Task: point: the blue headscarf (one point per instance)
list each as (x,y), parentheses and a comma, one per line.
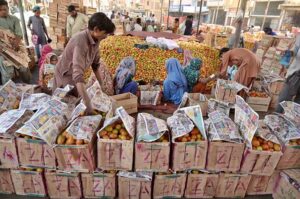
(175,84)
(124,73)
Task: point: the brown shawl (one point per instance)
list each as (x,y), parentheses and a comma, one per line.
(249,68)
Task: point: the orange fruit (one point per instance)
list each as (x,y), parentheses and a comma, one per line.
(61,139)
(194,137)
(122,137)
(105,137)
(265,147)
(128,137)
(65,133)
(255,143)
(271,145)
(261,141)
(298,141)
(259,148)
(70,141)
(103,133)
(113,136)
(184,139)
(79,142)
(123,132)
(195,131)
(277,147)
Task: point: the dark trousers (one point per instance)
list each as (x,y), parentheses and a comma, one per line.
(290,90)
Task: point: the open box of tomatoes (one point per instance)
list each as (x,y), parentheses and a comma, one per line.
(189,140)
(264,154)
(115,142)
(259,100)
(152,147)
(74,147)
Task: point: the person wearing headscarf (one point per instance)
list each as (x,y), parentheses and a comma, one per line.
(192,73)
(187,57)
(247,63)
(45,50)
(50,61)
(291,88)
(123,78)
(175,85)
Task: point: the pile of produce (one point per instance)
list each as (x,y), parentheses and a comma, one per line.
(260,144)
(115,131)
(258,94)
(193,136)
(115,48)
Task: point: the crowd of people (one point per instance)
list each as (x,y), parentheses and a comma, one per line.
(82,51)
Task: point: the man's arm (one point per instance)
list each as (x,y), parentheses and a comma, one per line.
(79,57)
(95,67)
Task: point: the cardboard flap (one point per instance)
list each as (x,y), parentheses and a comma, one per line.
(150,128)
(223,128)
(12,120)
(283,128)
(34,101)
(247,120)
(292,112)
(62,92)
(84,127)
(99,100)
(10,96)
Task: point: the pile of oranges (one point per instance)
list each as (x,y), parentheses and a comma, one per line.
(115,131)
(193,136)
(67,139)
(258,94)
(263,145)
(295,142)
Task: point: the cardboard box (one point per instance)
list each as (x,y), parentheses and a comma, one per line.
(99,185)
(77,157)
(224,156)
(134,187)
(63,185)
(35,153)
(202,185)
(152,156)
(115,154)
(290,158)
(226,94)
(187,155)
(232,185)
(259,104)
(261,185)
(169,185)
(128,101)
(29,183)
(8,154)
(260,162)
(193,99)
(6,184)
(288,185)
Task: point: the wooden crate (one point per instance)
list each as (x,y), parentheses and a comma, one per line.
(260,162)
(202,185)
(290,158)
(29,183)
(8,154)
(35,153)
(128,101)
(6,184)
(188,155)
(286,186)
(224,156)
(225,94)
(154,156)
(134,188)
(259,104)
(232,185)
(63,185)
(79,158)
(169,185)
(95,185)
(115,154)
(262,185)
